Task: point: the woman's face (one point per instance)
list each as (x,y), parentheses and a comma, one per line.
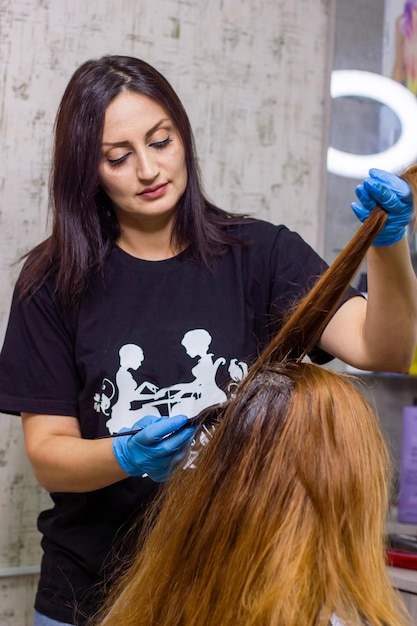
(142,167)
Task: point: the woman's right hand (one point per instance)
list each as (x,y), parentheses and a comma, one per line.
(63,461)
(156,449)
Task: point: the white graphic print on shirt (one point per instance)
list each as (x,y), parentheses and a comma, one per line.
(134,400)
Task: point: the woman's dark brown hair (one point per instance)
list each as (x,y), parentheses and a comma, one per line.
(84,225)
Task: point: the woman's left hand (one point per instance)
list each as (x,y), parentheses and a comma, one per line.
(393,195)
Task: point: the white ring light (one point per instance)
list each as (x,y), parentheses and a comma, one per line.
(395,96)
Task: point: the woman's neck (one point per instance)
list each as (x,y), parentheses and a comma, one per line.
(148,246)
(149,239)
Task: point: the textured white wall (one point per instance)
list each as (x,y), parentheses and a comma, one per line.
(253,75)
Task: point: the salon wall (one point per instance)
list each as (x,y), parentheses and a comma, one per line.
(364,35)
(354,122)
(254,78)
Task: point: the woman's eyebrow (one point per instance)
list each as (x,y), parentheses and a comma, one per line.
(114,144)
(155,127)
(148,134)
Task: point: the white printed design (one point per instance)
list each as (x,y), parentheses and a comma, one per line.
(134,400)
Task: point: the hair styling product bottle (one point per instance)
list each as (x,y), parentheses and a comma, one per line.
(407,500)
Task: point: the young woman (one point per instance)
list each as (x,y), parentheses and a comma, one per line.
(137,259)
(282,519)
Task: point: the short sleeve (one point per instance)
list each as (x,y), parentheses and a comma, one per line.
(295,268)
(37,368)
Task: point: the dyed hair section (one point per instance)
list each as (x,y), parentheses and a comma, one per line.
(282,520)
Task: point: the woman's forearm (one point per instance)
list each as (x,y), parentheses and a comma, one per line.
(390,330)
(62,461)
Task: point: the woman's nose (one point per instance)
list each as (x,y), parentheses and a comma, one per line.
(146,167)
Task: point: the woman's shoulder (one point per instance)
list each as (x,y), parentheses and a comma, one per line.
(265,236)
(255,230)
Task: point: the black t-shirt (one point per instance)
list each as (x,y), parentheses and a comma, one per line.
(160,338)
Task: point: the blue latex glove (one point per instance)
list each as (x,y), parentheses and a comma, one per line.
(156,449)
(392,194)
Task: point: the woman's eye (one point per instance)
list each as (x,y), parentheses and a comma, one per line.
(161,144)
(119,161)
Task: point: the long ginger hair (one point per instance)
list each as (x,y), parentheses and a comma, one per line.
(281,520)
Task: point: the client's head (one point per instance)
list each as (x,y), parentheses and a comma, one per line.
(281,521)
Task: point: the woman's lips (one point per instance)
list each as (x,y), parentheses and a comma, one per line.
(153,192)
